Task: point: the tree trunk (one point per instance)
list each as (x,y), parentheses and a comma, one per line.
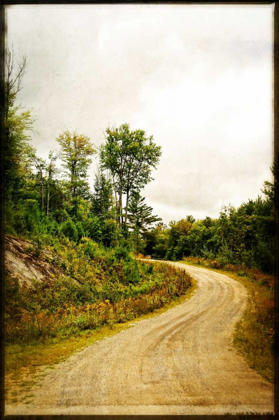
(137,242)
(48,199)
(73,177)
(120,208)
(42,192)
(116,202)
(126,210)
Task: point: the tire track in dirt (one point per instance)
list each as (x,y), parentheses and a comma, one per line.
(180,362)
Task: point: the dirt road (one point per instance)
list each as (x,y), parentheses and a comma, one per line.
(181,362)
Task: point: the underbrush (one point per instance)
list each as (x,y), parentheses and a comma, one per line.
(27,363)
(254,334)
(48,321)
(253,274)
(98,287)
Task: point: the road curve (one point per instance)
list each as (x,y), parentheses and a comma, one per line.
(180,362)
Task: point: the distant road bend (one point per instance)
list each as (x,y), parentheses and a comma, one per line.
(181,362)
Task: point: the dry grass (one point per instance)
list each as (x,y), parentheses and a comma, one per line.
(27,364)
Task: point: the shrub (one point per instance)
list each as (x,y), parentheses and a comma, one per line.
(69,229)
(122,253)
(63,307)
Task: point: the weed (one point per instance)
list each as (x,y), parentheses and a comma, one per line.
(30,362)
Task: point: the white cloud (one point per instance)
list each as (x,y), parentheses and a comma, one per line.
(199,78)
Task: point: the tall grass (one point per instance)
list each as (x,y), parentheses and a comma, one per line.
(52,310)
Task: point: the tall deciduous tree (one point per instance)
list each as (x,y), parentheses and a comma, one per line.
(76,156)
(17,123)
(45,171)
(130,157)
(40,166)
(13,79)
(50,181)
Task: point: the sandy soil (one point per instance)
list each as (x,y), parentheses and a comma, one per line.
(181,362)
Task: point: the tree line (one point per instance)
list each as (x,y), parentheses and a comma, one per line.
(53,196)
(239,236)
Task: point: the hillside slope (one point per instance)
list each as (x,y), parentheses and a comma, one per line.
(26,262)
(62,288)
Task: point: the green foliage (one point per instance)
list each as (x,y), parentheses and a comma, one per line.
(102,199)
(76,152)
(92,235)
(156,241)
(69,229)
(140,219)
(27,216)
(177,239)
(129,156)
(122,253)
(225,255)
(140,215)
(98,287)
(16,149)
(244,235)
(16,124)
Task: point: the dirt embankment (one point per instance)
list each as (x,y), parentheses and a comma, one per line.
(181,362)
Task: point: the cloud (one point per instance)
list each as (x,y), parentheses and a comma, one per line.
(198,78)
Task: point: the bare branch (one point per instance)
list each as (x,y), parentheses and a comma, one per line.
(14,83)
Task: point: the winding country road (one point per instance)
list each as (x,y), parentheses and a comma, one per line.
(180,362)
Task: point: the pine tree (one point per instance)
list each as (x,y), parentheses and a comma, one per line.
(102,200)
(140,217)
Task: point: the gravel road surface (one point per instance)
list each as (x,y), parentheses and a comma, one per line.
(180,362)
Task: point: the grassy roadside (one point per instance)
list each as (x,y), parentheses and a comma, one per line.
(254,333)
(27,364)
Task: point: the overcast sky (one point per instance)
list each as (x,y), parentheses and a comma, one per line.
(198,78)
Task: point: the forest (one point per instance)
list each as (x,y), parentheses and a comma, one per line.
(95,233)
(53,198)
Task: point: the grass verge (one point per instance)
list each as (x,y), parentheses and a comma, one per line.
(254,333)
(27,364)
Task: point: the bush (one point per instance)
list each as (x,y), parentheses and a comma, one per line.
(80,230)
(225,256)
(69,229)
(63,307)
(122,253)
(131,271)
